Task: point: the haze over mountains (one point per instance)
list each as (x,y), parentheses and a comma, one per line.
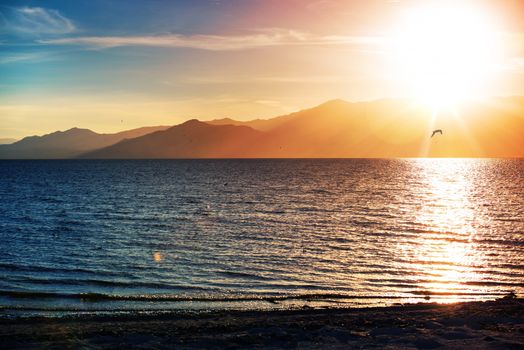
(384,128)
(6,141)
(192,139)
(67,144)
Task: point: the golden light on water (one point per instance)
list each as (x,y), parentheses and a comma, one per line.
(447,207)
(447,252)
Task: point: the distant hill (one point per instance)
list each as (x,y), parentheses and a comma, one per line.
(7,141)
(272,123)
(335,129)
(67,144)
(395,128)
(257,124)
(192,139)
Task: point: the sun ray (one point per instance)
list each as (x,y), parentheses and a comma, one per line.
(446,52)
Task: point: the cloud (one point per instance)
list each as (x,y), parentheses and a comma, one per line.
(37,20)
(301,79)
(265,38)
(207,80)
(323,5)
(270,103)
(517,64)
(13,58)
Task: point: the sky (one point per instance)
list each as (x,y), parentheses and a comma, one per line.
(111,65)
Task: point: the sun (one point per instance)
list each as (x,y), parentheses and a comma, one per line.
(446,52)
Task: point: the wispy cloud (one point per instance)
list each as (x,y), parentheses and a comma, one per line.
(207,80)
(322,5)
(271,103)
(13,58)
(301,79)
(517,64)
(38,20)
(266,38)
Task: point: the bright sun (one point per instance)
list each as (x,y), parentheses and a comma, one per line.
(446,52)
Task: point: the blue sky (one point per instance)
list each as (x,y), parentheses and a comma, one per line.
(95,63)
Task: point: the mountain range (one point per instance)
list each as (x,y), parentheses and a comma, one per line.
(335,129)
(67,144)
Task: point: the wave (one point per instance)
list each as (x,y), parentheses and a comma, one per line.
(224,298)
(245,275)
(39,268)
(494,283)
(101,283)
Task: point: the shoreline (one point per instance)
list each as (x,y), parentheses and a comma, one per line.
(495,324)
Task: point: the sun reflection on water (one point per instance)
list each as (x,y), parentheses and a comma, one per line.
(445,249)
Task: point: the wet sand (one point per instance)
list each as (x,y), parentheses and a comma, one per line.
(476,325)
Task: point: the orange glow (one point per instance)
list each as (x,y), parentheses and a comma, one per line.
(447,251)
(447,52)
(407,67)
(157,256)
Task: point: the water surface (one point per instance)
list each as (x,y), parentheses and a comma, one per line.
(199,234)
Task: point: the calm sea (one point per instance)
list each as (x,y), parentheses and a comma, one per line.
(145,235)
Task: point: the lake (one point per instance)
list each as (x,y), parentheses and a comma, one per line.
(154,235)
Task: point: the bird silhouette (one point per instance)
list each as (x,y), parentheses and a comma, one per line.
(438,131)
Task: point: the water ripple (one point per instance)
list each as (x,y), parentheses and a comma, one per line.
(368,229)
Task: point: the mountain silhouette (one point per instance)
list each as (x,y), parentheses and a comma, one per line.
(335,129)
(257,124)
(192,139)
(67,144)
(397,128)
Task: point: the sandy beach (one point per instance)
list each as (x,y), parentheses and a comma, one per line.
(476,325)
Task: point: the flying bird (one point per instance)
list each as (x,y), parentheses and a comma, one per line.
(438,131)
